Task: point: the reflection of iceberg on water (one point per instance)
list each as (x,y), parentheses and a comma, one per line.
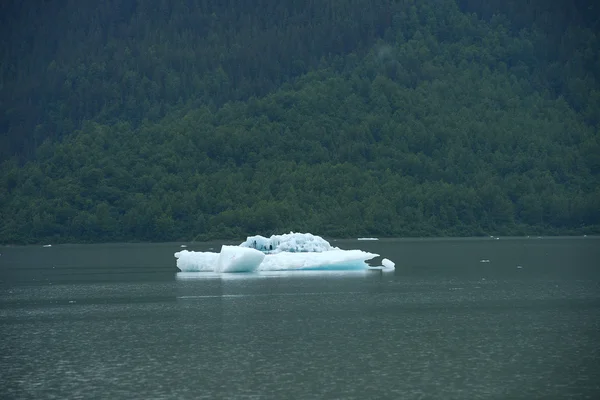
(289,252)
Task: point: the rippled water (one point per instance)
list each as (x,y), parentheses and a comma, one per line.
(116,321)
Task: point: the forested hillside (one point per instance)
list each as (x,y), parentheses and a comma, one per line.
(186,120)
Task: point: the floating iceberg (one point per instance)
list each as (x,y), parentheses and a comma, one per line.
(289,252)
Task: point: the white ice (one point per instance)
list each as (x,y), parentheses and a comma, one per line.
(328,260)
(238,259)
(386,265)
(306,252)
(289,242)
(195,261)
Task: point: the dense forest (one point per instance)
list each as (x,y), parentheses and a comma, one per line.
(162,120)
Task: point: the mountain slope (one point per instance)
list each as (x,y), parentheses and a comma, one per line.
(447,126)
(67,61)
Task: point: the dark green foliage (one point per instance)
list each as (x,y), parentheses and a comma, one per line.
(198,120)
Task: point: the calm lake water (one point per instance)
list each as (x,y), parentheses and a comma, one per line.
(117,322)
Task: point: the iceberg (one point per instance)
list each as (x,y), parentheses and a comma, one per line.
(288,252)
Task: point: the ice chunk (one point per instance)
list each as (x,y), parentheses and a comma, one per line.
(194,261)
(290,242)
(238,259)
(327,260)
(388,263)
(367,238)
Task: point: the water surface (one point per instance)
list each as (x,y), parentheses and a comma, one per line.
(117,321)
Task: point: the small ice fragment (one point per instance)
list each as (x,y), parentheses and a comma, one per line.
(484,261)
(519,267)
(71,301)
(183,246)
(367,238)
(388,263)
(47,245)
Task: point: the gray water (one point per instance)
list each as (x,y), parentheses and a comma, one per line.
(118,322)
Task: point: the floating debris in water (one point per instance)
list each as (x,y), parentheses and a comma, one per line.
(484,261)
(47,245)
